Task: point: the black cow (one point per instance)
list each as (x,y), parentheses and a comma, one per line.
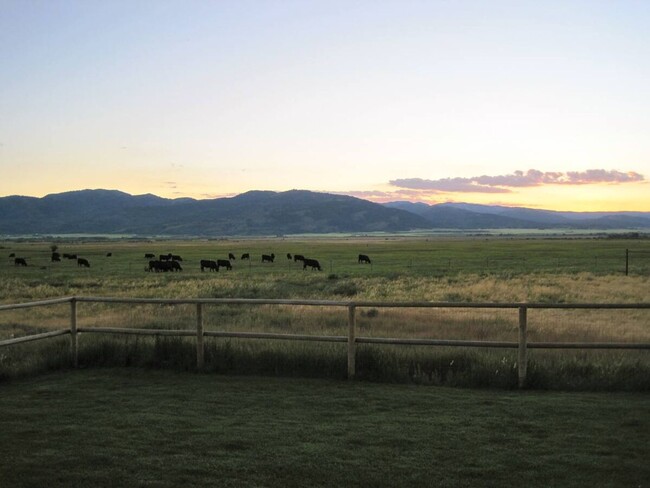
(12,255)
(82,262)
(268,258)
(225,263)
(208,263)
(231,256)
(70,256)
(176,257)
(298,257)
(164,266)
(20,262)
(165,257)
(160,266)
(245,256)
(289,256)
(364,259)
(109,254)
(313,263)
(56,257)
(149,256)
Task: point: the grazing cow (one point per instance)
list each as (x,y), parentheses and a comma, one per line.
(20,262)
(289,256)
(311,262)
(364,259)
(245,256)
(176,257)
(109,254)
(12,255)
(268,258)
(149,256)
(164,266)
(225,263)
(231,256)
(56,257)
(82,262)
(208,263)
(298,257)
(159,266)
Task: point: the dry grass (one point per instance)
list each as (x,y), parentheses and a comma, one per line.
(482,324)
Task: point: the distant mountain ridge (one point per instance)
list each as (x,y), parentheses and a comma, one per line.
(251,213)
(274,213)
(472,215)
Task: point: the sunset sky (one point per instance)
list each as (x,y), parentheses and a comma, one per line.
(544,104)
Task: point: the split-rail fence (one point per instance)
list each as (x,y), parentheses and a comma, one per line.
(523,345)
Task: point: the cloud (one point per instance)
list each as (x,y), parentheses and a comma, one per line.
(384,196)
(212,196)
(465,185)
(518,179)
(602,176)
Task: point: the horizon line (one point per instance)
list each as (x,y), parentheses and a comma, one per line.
(339,193)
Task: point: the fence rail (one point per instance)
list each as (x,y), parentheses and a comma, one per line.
(522,345)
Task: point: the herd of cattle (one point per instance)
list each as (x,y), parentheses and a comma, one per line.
(171,262)
(55,258)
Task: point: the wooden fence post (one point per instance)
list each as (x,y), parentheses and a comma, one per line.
(74,340)
(522,361)
(352,345)
(200,350)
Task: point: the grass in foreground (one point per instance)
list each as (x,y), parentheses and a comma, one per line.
(118,427)
(597,370)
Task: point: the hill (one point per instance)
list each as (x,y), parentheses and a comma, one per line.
(251,213)
(475,216)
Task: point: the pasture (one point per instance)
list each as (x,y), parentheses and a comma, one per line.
(119,427)
(391,256)
(446,270)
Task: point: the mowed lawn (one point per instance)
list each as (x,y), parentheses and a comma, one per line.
(133,427)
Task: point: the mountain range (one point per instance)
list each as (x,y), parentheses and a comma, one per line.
(476,216)
(275,213)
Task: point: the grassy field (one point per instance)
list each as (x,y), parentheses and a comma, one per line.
(391,256)
(116,427)
(456,270)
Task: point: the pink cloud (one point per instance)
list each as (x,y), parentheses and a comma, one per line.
(602,176)
(519,179)
(387,196)
(465,185)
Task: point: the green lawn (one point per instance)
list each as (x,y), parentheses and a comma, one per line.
(133,427)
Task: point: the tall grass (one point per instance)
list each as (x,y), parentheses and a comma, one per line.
(34,358)
(451,366)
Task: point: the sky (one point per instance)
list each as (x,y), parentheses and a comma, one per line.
(521,103)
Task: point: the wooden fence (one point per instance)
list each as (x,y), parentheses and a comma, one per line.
(351,339)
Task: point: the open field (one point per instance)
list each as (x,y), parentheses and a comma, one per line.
(506,270)
(390,255)
(116,427)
